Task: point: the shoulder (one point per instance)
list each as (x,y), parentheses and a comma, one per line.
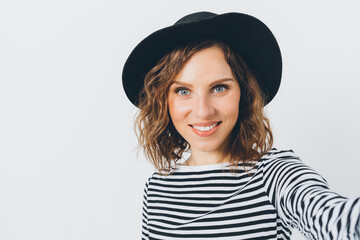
(149,180)
(277,160)
(280,155)
(287,164)
(156,178)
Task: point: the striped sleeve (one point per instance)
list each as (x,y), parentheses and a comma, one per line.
(305,202)
(145,232)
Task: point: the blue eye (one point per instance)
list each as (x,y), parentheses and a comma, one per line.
(220,88)
(182,91)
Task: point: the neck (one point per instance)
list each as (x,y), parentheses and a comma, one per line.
(198,158)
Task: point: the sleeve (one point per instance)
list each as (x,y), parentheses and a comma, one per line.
(145,231)
(304,201)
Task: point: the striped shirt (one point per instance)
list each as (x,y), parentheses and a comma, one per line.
(279,193)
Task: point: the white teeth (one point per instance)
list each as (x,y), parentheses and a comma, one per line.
(203,129)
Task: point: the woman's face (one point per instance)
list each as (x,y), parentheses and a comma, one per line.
(204,100)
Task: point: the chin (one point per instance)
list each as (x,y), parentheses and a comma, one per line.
(205,147)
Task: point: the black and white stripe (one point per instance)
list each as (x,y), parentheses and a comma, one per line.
(209,202)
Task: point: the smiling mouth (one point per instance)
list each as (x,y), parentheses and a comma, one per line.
(205,128)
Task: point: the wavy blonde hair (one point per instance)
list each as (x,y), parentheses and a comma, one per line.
(163,146)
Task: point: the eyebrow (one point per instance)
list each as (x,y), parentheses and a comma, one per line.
(213,83)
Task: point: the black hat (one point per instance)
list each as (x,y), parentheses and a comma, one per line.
(245,34)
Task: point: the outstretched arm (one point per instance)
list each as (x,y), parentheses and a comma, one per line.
(304,200)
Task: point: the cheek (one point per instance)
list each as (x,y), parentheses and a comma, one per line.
(230,107)
(178,110)
(231,111)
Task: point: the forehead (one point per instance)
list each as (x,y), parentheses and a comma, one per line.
(207,64)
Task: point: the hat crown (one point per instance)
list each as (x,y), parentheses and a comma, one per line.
(195,17)
(245,34)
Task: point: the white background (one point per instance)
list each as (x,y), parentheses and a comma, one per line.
(68,164)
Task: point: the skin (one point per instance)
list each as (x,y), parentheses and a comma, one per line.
(205,90)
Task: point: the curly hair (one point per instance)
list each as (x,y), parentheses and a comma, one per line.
(163,146)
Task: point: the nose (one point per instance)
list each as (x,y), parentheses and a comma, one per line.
(203,107)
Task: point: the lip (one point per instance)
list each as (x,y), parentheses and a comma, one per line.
(204,124)
(206,133)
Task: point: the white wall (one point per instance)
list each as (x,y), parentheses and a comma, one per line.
(68,168)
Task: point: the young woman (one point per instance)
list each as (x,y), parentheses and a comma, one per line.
(201,86)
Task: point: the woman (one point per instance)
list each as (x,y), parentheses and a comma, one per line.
(201,86)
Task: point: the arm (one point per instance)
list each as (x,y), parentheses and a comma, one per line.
(145,232)
(304,201)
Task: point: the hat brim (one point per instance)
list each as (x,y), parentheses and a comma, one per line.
(245,34)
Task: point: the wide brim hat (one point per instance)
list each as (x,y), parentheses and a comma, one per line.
(245,34)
